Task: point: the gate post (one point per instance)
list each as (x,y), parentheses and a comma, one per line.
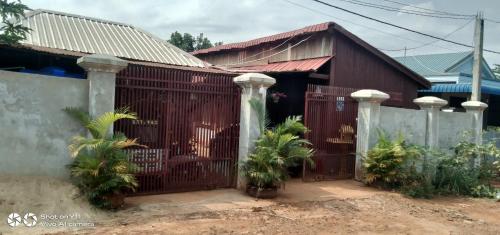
(101,75)
(254,86)
(368,122)
(432,105)
(476,108)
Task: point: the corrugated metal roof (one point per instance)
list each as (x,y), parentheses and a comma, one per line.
(462,88)
(89,35)
(307,65)
(276,37)
(433,64)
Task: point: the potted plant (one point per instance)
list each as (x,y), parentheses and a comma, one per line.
(277,149)
(101,169)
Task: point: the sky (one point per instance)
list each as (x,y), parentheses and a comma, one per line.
(239,20)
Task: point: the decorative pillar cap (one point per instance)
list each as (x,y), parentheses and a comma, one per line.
(366,95)
(101,63)
(474,105)
(430,102)
(255,79)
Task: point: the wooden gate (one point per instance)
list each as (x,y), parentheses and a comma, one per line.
(331,116)
(189,121)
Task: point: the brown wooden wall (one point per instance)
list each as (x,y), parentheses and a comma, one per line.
(318,45)
(355,67)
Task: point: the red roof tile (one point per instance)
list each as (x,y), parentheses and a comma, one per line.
(307,65)
(272,38)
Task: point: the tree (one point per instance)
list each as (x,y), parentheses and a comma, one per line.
(496,70)
(10,31)
(189,43)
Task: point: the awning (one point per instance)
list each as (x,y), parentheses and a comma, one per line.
(307,65)
(462,88)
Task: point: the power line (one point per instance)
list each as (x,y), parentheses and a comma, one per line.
(363,26)
(443,12)
(426,9)
(429,43)
(399,27)
(412,12)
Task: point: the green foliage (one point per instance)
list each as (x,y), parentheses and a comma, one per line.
(457,175)
(189,43)
(10,31)
(393,164)
(275,151)
(390,161)
(101,167)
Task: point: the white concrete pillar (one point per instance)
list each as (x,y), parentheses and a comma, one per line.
(101,74)
(476,108)
(368,122)
(432,106)
(254,86)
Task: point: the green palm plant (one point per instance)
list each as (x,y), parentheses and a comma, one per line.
(101,169)
(275,151)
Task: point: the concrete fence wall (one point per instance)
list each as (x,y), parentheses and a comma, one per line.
(427,127)
(34,130)
(410,123)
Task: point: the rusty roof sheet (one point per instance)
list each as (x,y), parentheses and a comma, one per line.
(239,45)
(58,30)
(307,65)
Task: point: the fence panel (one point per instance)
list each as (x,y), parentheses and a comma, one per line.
(190,122)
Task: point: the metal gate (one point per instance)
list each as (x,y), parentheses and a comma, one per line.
(190,122)
(331,116)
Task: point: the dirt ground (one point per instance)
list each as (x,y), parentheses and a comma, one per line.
(335,207)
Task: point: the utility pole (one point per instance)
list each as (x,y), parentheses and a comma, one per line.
(478,57)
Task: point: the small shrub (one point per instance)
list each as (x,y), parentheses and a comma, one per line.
(276,150)
(391,162)
(101,169)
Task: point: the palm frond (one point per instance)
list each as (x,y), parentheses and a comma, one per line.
(102,124)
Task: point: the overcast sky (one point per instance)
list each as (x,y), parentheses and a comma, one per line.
(233,21)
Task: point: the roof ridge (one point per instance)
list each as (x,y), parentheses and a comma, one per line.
(277,35)
(40,10)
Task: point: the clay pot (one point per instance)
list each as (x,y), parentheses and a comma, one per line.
(116,200)
(266,193)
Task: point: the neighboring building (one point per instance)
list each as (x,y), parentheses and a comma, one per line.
(451,76)
(322,54)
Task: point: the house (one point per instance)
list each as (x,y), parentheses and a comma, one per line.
(451,77)
(186,109)
(316,69)
(324,54)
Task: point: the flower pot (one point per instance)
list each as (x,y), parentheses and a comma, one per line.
(115,200)
(266,193)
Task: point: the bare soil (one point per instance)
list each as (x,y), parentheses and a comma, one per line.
(335,207)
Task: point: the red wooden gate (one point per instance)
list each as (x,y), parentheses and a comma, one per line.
(190,122)
(330,114)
